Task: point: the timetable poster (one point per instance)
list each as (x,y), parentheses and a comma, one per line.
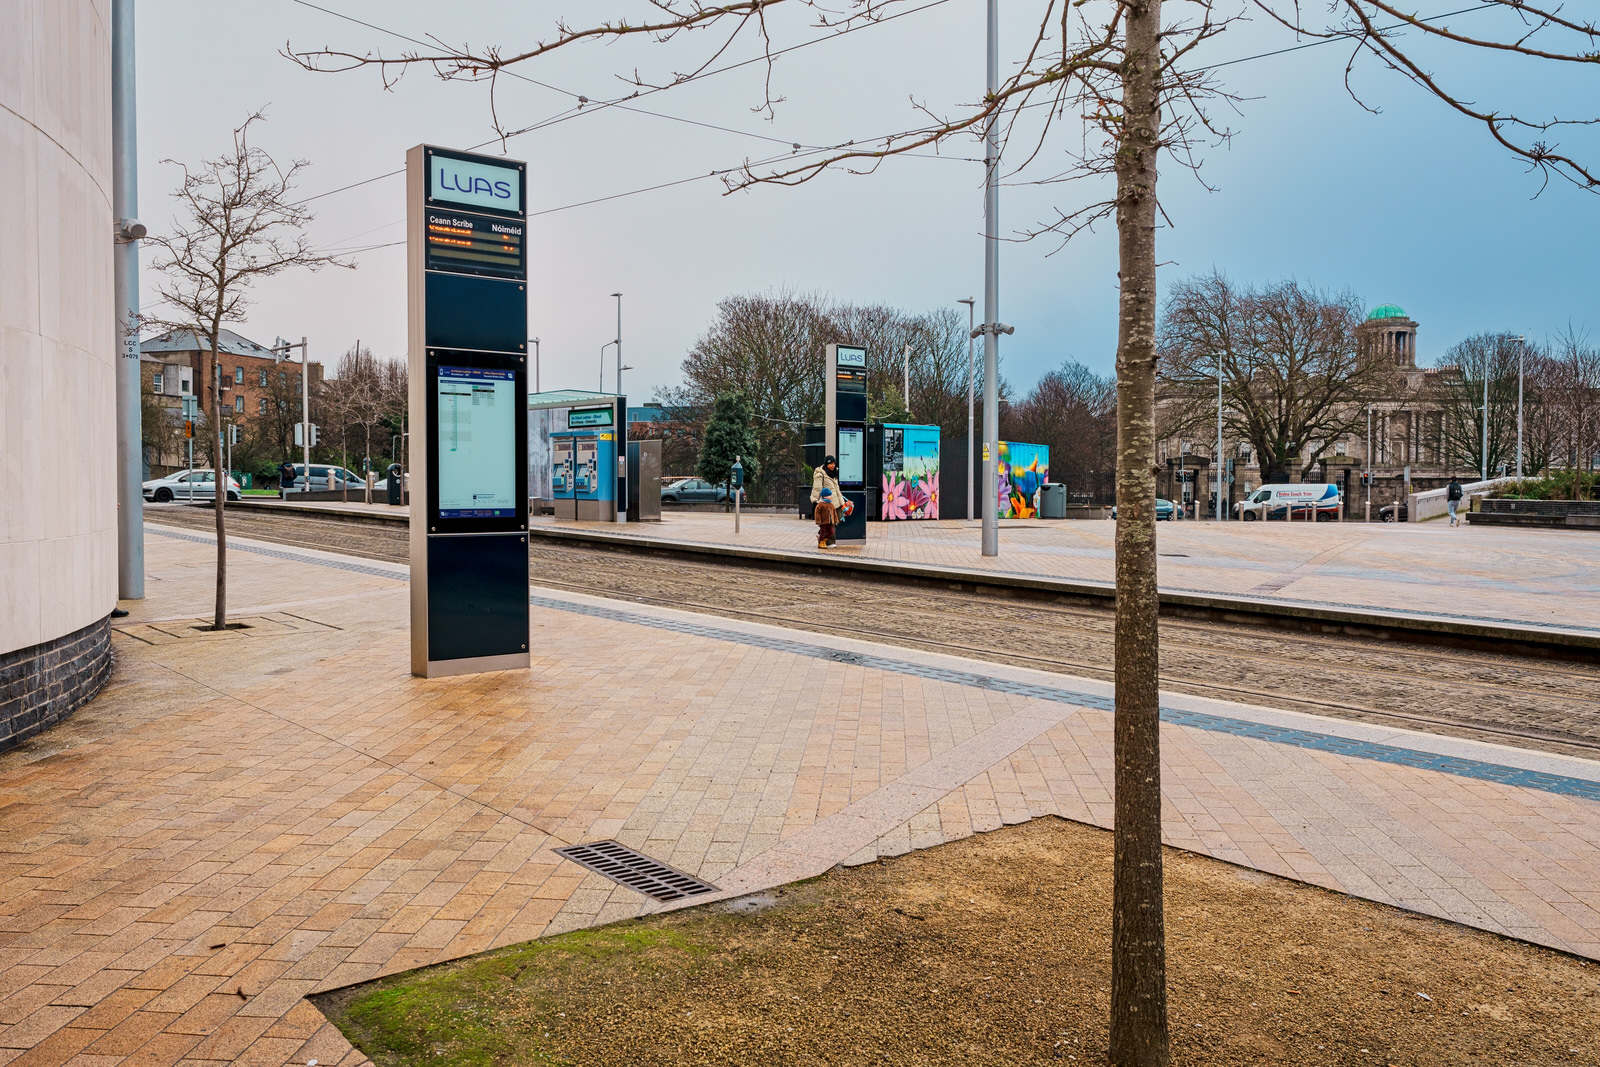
(477,435)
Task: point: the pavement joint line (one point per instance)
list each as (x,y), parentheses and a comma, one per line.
(1459,766)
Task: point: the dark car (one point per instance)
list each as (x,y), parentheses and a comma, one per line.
(695,491)
(1387,512)
(1166,511)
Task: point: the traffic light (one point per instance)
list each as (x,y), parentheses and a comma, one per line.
(188,428)
(233,433)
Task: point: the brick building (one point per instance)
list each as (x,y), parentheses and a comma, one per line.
(178,364)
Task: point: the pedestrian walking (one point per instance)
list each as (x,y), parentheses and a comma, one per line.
(827,500)
(1452,499)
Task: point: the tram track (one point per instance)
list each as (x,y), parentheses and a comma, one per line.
(1494,697)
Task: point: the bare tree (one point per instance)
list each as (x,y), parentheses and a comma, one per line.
(1074,411)
(237,224)
(1133,79)
(1293,379)
(356,400)
(1459,391)
(1572,389)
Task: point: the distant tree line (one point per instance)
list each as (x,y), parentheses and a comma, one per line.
(769,348)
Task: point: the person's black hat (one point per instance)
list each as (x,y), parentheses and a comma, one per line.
(829,461)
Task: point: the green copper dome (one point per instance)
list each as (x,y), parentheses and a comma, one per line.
(1387,311)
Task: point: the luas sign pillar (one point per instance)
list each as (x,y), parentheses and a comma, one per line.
(845,408)
(467,282)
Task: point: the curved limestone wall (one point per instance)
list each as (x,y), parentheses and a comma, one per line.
(58,548)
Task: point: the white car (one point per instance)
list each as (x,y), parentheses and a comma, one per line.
(187,485)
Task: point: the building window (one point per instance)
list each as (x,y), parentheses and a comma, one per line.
(263,379)
(155,382)
(283,378)
(238,376)
(263,405)
(238,404)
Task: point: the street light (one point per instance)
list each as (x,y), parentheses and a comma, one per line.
(619,345)
(1217,462)
(1522,346)
(972,379)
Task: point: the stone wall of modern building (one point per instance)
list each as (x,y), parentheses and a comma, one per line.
(58,548)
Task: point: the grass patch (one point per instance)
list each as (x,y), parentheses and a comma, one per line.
(991,951)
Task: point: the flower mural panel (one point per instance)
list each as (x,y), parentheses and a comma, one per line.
(910,472)
(1021,470)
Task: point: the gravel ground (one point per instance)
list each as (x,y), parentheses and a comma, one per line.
(991,950)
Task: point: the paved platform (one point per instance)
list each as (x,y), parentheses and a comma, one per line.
(1543,577)
(249,817)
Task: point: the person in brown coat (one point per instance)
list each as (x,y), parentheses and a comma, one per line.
(827,499)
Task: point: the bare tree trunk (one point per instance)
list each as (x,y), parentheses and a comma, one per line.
(1138,935)
(220,484)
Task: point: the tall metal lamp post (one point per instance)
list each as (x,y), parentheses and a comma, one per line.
(1216,464)
(1522,347)
(972,379)
(992,327)
(618,297)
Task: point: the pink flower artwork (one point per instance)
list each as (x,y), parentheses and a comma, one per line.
(894,498)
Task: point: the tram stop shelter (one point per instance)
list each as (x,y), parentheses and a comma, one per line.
(578,457)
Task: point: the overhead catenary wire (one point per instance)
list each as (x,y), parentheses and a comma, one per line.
(591,107)
(796,151)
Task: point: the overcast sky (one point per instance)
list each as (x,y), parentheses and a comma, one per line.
(1412,204)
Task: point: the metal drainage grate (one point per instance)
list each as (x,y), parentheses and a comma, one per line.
(638,872)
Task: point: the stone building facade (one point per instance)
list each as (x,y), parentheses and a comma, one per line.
(1406,433)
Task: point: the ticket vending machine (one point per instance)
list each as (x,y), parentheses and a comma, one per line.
(467,287)
(845,404)
(581,478)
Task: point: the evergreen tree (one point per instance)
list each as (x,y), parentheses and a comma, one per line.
(728,436)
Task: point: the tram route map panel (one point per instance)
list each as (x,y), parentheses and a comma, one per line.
(477,443)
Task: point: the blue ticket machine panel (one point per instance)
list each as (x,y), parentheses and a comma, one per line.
(582,463)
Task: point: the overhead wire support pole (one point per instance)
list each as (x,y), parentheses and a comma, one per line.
(125,257)
(1216,463)
(972,379)
(991,291)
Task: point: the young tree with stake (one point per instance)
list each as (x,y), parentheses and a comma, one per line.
(236,225)
(1129,69)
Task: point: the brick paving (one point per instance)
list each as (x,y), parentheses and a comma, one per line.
(245,818)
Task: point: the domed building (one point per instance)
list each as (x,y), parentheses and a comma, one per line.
(1388,330)
(1405,431)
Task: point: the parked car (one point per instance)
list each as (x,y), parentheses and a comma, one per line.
(1290,501)
(695,491)
(343,478)
(187,485)
(1387,512)
(1166,511)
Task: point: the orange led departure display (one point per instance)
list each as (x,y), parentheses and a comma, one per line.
(464,243)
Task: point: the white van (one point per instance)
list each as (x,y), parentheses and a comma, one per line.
(1290,502)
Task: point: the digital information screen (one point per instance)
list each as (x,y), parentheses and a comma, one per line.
(579,418)
(477,443)
(850,356)
(852,453)
(475,244)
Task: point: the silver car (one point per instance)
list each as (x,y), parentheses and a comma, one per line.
(187,485)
